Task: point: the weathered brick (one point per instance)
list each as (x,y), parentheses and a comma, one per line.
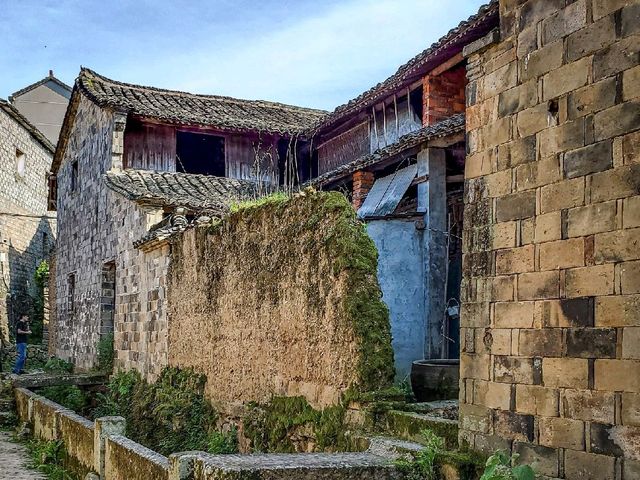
(564,137)
(589,159)
(617,375)
(536,174)
(617,246)
(518,98)
(544,342)
(545,459)
(566,21)
(516,206)
(591,342)
(630,469)
(499,80)
(630,277)
(561,432)
(532,12)
(566,78)
(631,212)
(539,285)
(518,370)
(548,227)
(541,61)
(475,366)
(536,400)
(517,152)
(629,19)
(615,440)
(617,120)
(496,341)
(492,395)
(534,119)
(565,372)
(527,230)
(515,260)
(631,83)
(481,113)
(565,194)
(592,98)
(587,281)
(503,288)
(591,38)
(631,343)
(513,314)
(503,235)
(617,57)
(588,466)
(561,254)
(617,311)
(475,314)
(594,218)
(589,405)
(475,418)
(490,443)
(630,410)
(514,425)
(573,312)
(498,184)
(605,7)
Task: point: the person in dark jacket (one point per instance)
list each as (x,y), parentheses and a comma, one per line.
(22,333)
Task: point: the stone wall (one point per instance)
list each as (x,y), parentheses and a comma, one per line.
(550,364)
(27,229)
(280,299)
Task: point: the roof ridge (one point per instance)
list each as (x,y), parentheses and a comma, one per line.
(26,124)
(37,84)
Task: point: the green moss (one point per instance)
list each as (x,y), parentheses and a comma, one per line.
(410,426)
(469,465)
(275,199)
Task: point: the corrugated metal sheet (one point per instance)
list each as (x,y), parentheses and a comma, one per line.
(386,193)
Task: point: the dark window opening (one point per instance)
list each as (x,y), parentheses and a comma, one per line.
(71,293)
(74,176)
(107,298)
(415,97)
(200,154)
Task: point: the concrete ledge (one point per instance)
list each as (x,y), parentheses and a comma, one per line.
(39,380)
(128,460)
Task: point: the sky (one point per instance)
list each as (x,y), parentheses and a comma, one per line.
(314,53)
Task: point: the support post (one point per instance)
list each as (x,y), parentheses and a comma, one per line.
(182,465)
(105,426)
(432,203)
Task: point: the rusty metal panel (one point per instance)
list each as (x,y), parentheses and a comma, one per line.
(386,193)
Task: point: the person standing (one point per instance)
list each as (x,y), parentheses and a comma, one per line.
(22,333)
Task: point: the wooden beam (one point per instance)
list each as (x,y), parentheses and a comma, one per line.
(447,65)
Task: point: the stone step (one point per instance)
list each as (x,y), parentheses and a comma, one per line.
(410,425)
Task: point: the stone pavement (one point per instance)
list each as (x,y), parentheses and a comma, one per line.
(14,460)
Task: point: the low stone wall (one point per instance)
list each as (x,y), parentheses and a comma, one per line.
(128,460)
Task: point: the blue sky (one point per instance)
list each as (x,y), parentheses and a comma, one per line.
(316,53)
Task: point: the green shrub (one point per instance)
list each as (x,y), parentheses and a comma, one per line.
(69,396)
(423,464)
(500,466)
(220,443)
(105,353)
(48,458)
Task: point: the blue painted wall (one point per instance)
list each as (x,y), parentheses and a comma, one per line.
(401,277)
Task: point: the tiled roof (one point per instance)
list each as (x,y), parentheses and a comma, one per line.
(467,31)
(187,108)
(202,193)
(451,125)
(27,125)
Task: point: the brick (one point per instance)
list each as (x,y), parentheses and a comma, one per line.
(605,7)
(574,312)
(518,370)
(475,418)
(617,311)
(592,98)
(617,120)
(617,57)
(591,38)
(617,246)
(561,254)
(561,138)
(475,314)
(541,61)
(536,400)
(490,443)
(518,98)
(630,411)
(474,366)
(629,277)
(594,218)
(630,20)
(589,405)
(516,206)
(515,260)
(539,285)
(534,119)
(566,78)
(492,395)
(527,230)
(565,372)
(496,341)
(502,288)
(631,83)
(561,432)
(631,343)
(589,159)
(517,152)
(536,174)
(591,342)
(588,466)
(617,375)
(513,314)
(564,22)
(587,281)
(565,194)
(498,184)
(532,12)
(514,425)
(499,80)
(478,164)
(548,227)
(546,342)
(631,212)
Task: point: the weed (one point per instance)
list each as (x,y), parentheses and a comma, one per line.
(501,466)
(105,353)
(48,458)
(423,464)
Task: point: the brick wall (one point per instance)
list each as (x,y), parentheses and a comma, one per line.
(362,183)
(443,95)
(550,360)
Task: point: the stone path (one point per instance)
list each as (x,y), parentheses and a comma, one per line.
(14,460)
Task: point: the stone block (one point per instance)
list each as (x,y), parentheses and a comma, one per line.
(594,218)
(516,206)
(573,312)
(478,164)
(594,37)
(536,174)
(615,440)
(513,314)
(561,254)
(475,366)
(588,466)
(539,62)
(500,80)
(631,212)
(546,460)
(617,120)
(548,227)
(573,17)
(514,426)
(561,432)
(565,372)
(515,260)
(475,418)
(492,395)
(498,184)
(617,375)
(617,246)
(591,342)
(631,83)
(590,159)
(545,342)
(517,370)
(588,405)
(527,41)
(534,119)
(496,341)
(561,138)
(630,411)
(539,285)
(617,57)
(488,444)
(532,12)
(629,277)
(537,400)
(475,314)
(630,19)
(517,152)
(630,469)
(517,98)
(631,343)
(592,98)
(527,230)
(605,7)
(567,78)
(565,194)
(589,281)
(617,311)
